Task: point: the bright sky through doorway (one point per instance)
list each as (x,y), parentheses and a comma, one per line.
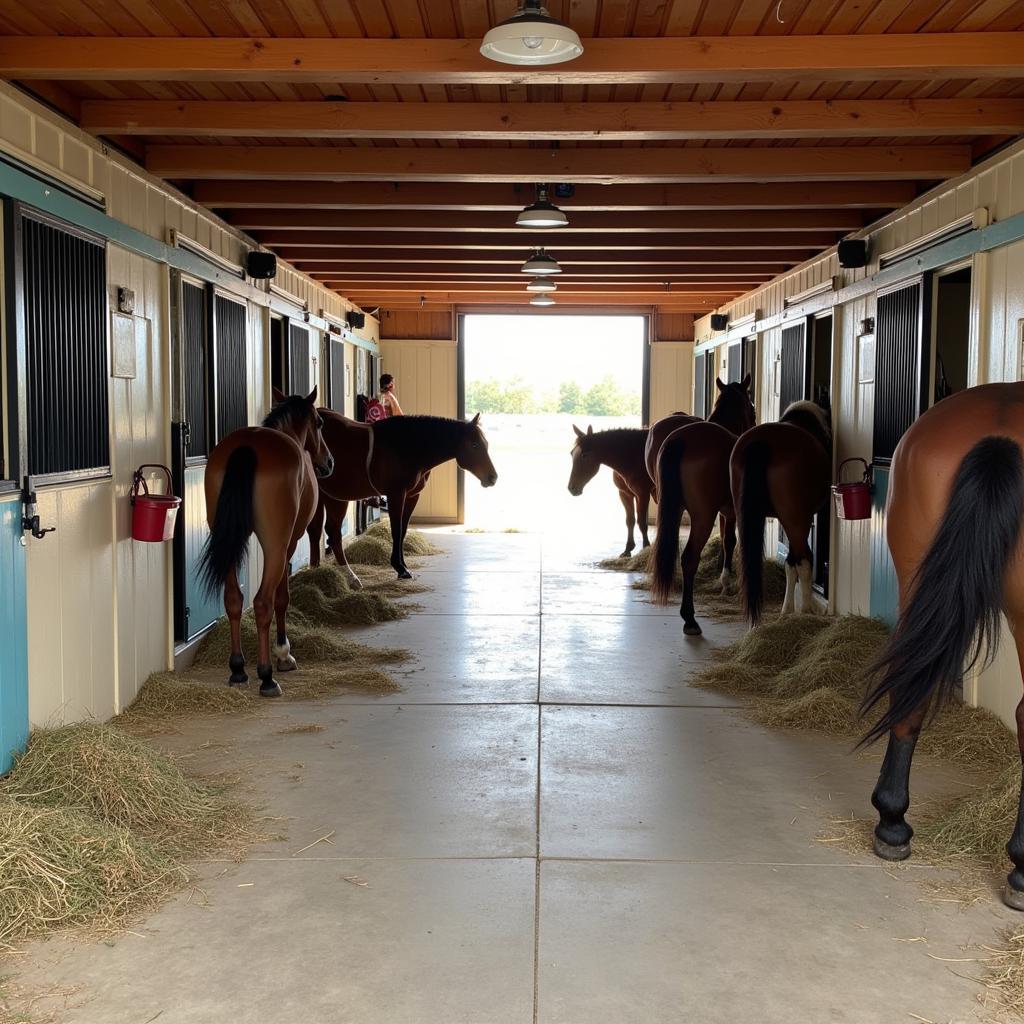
(543,351)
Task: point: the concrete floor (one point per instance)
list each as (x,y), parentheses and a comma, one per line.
(550,825)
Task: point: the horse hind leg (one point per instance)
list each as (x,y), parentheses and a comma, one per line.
(275,565)
(233,607)
(282,647)
(315,532)
(700,530)
(727,527)
(396,510)
(627,503)
(336,511)
(891,797)
(643,504)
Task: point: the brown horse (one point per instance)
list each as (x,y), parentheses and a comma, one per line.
(656,437)
(262,480)
(953,521)
(392,457)
(781,469)
(622,450)
(693,475)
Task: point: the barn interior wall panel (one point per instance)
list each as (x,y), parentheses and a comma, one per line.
(425,377)
(671,384)
(998,312)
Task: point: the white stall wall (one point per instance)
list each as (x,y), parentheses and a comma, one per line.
(996,343)
(671,386)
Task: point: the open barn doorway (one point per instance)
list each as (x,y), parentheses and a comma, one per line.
(532,378)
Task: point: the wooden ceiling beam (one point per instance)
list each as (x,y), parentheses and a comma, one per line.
(423,260)
(520,241)
(600,166)
(605,61)
(634,122)
(346,285)
(650,221)
(359,269)
(381,195)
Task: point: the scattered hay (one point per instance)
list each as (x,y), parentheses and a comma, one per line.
(100,771)
(1004,973)
(772,646)
(306,727)
(416,543)
(319,681)
(61,867)
(629,563)
(367,550)
(345,608)
(829,711)
(167,695)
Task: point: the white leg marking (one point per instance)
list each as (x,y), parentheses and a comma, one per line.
(806,598)
(353,580)
(285,661)
(789,604)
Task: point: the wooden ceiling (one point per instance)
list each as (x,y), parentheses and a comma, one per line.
(711,144)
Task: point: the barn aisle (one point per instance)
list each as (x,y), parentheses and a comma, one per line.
(548,825)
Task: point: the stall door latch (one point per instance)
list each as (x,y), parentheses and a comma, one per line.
(30,517)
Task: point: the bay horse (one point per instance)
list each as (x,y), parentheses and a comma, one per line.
(656,437)
(781,469)
(953,524)
(621,449)
(391,457)
(693,475)
(262,480)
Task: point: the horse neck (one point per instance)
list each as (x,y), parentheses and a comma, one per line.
(616,452)
(732,419)
(442,446)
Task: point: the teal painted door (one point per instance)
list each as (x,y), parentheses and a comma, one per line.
(13,634)
(884,587)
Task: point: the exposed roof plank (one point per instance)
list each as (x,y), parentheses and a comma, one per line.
(604,61)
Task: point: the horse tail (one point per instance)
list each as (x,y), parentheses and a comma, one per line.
(751,513)
(932,647)
(233,523)
(662,559)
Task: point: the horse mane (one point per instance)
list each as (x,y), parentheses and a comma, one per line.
(614,433)
(811,417)
(293,410)
(420,435)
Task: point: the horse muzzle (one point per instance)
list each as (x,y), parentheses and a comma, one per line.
(324,469)
(490,480)
(575,491)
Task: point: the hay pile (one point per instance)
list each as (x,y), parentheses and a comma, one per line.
(95,823)
(373,546)
(324,597)
(170,694)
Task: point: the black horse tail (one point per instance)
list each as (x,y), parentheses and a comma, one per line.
(952,615)
(751,513)
(233,524)
(662,560)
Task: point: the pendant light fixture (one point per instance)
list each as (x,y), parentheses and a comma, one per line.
(542,300)
(531,37)
(542,284)
(542,213)
(540,263)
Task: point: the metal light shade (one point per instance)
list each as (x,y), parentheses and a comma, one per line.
(542,213)
(542,300)
(542,284)
(541,263)
(531,37)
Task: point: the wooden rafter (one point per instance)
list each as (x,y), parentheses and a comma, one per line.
(610,166)
(419,260)
(413,195)
(606,61)
(561,121)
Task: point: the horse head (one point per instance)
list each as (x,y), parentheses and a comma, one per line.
(298,416)
(734,408)
(472,454)
(585,462)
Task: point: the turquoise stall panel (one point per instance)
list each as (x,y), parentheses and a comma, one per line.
(201,608)
(884,586)
(13,635)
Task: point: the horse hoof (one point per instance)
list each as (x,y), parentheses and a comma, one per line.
(889,852)
(1013,898)
(270,689)
(242,680)
(692,629)
(405,575)
(354,581)
(286,664)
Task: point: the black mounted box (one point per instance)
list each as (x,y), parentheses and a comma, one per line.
(719,321)
(853,253)
(356,319)
(261,266)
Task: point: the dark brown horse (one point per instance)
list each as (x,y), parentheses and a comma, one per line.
(781,469)
(693,476)
(656,437)
(953,520)
(392,457)
(621,450)
(262,480)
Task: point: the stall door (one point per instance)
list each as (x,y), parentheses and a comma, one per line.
(900,398)
(793,366)
(734,363)
(336,397)
(14,663)
(301,378)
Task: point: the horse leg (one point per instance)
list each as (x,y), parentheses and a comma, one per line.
(275,566)
(233,607)
(727,527)
(411,501)
(627,503)
(283,648)
(315,532)
(643,508)
(396,509)
(336,511)
(891,797)
(700,529)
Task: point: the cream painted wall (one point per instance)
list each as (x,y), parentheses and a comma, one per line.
(998,322)
(425,377)
(671,387)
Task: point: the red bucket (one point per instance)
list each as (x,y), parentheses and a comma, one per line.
(853,500)
(153,515)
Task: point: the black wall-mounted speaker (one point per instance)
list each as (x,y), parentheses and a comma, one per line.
(261,266)
(853,252)
(719,321)
(356,319)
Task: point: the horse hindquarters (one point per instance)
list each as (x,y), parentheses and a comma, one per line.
(749,467)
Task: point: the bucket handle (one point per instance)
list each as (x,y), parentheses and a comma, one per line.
(139,480)
(866,478)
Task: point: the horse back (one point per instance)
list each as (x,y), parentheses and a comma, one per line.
(657,436)
(348,441)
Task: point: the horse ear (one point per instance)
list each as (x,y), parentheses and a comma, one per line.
(590,430)
(476,420)
(579,433)
(311,397)
(746,382)
(719,384)
(277,397)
